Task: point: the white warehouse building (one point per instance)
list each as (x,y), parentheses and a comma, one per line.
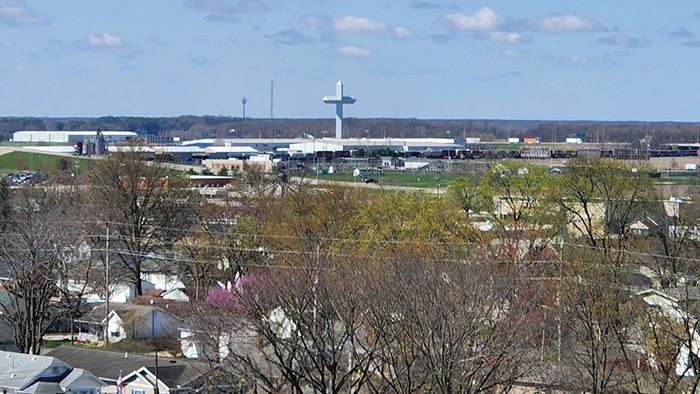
(69,136)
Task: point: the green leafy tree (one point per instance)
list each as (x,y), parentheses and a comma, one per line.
(464,191)
(601,199)
(516,199)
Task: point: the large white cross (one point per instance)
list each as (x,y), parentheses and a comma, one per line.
(339,100)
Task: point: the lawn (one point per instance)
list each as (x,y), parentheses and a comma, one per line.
(424,179)
(39,162)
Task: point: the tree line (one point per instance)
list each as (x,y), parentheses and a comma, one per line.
(657,135)
(515,276)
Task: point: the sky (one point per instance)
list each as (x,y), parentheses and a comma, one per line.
(502,59)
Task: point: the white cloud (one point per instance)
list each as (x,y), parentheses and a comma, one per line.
(353,51)
(567,23)
(511,53)
(310,20)
(16,12)
(504,36)
(402,32)
(485,19)
(578,61)
(250,6)
(101,43)
(357,24)
(106,40)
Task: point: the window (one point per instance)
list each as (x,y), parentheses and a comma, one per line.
(138,392)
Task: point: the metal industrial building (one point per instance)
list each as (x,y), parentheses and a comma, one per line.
(65,137)
(311,145)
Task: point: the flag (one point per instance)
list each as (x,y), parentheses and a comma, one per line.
(120,384)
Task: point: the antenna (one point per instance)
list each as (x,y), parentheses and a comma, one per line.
(244,101)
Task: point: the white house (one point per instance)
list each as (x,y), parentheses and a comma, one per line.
(26,373)
(672,310)
(128,320)
(119,293)
(176,294)
(141,321)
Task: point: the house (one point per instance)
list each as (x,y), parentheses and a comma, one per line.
(26,373)
(177,295)
(138,371)
(126,321)
(118,293)
(639,228)
(159,274)
(673,311)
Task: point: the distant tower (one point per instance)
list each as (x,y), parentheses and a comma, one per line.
(272,101)
(339,100)
(244,101)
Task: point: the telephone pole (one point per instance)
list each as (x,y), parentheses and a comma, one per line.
(107,289)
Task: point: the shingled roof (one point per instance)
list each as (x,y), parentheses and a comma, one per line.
(107,365)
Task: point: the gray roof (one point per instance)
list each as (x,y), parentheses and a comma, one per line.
(44,388)
(108,364)
(18,370)
(97,314)
(76,374)
(689,293)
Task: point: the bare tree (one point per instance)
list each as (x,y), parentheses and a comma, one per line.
(600,199)
(601,320)
(145,204)
(667,332)
(39,247)
(674,238)
(134,324)
(474,324)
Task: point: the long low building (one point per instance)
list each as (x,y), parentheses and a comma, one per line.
(310,145)
(395,144)
(65,137)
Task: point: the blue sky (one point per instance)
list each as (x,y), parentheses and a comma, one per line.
(432,59)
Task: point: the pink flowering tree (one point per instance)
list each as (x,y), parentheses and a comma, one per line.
(232,296)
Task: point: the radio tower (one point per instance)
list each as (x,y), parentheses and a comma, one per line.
(244,101)
(272,100)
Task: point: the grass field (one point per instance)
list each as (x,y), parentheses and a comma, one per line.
(425,179)
(38,162)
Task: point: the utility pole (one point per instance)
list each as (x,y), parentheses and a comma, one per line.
(107,289)
(153,336)
(561,278)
